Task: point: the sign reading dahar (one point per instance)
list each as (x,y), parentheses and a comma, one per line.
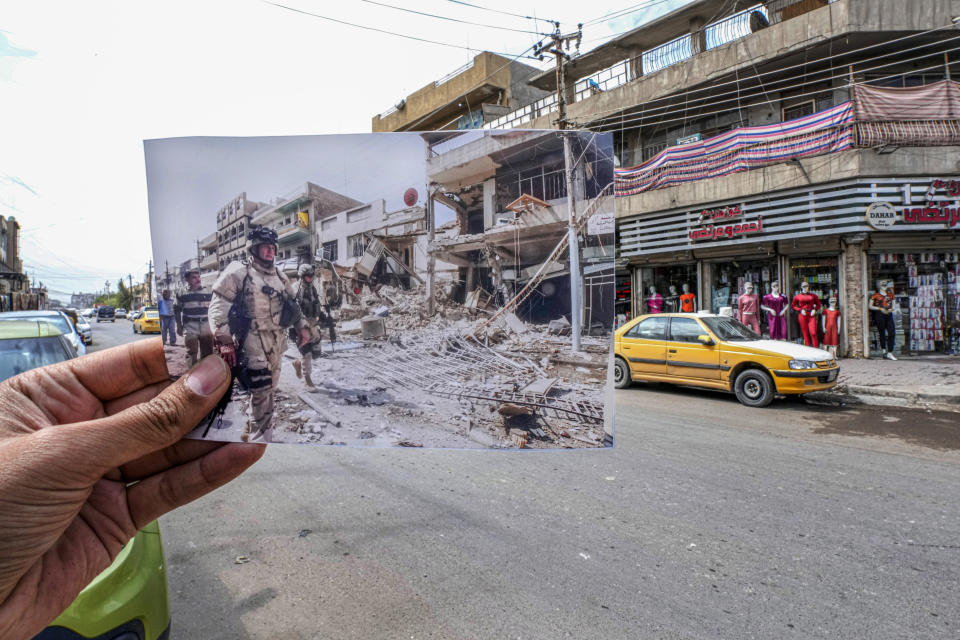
(881,215)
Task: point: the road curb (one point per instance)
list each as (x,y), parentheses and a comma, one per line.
(885,396)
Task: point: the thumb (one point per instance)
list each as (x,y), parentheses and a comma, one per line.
(155,424)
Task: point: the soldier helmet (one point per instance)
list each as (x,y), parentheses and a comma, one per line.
(190,272)
(261,235)
(306,270)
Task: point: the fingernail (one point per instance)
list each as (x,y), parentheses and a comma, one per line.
(207,376)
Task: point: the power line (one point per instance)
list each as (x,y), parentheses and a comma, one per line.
(390,33)
(647,4)
(642,115)
(439,17)
(506,13)
(780,70)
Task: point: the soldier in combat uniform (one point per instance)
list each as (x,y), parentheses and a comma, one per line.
(190,313)
(308,298)
(262,289)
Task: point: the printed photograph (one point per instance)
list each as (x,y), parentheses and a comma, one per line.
(450,289)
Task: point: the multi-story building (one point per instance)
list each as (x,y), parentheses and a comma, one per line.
(786,141)
(294,217)
(12,278)
(508,192)
(209,262)
(233,222)
(478,92)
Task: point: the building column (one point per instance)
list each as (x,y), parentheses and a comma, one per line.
(854,315)
(698,35)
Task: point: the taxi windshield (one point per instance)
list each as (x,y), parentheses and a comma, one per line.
(730,330)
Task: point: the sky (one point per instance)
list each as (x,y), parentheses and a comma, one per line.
(83,84)
(190,179)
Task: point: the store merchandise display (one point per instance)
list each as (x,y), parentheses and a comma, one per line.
(807,305)
(776,305)
(832,317)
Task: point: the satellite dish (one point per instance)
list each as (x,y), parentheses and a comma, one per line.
(410,197)
(758,21)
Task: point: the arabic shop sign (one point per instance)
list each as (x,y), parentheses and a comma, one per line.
(726,232)
(724,213)
(949,216)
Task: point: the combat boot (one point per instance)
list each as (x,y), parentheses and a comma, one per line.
(308,381)
(298,368)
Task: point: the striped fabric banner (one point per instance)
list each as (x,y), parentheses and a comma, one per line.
(741,149)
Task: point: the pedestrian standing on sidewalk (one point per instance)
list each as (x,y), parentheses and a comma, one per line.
(168,325)
(881,308)
(190,312)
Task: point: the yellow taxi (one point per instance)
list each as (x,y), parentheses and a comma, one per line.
(718,352)
(149,322)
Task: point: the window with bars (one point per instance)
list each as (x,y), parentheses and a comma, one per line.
(329,251)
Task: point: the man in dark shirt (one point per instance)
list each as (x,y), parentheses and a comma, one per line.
(190,312)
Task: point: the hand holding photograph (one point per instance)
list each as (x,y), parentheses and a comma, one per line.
(446,289)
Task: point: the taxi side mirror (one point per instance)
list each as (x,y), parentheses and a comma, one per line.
(705,340)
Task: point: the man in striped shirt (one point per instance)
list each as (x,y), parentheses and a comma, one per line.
(190,312)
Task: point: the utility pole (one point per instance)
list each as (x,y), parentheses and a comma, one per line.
(431,259)
(149,282)
(556,47)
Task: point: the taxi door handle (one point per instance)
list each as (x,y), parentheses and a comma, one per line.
(673,350)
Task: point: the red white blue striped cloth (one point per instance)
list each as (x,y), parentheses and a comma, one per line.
(741,149)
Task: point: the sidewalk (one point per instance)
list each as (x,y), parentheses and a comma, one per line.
(928,380)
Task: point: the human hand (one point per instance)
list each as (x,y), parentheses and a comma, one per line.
(91,452)
(229,354)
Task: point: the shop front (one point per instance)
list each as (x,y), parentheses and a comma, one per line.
(914,250)
(795,251)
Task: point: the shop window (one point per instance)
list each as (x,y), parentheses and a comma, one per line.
(622,301)
(649,329)
(667,283)
(730,279)
(685,330)
(927,316)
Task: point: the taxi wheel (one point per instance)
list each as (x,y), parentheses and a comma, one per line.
(621,374)
(754,388)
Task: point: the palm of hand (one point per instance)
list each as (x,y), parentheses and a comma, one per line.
(87,458)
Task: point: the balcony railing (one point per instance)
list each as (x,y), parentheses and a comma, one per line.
(716,34)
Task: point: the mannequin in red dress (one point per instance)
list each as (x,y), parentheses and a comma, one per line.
(831,327)
(748,308)
(807,306)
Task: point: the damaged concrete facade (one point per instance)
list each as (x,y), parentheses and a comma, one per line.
(508,192)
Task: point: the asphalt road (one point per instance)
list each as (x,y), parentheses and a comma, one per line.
(707,520)
(111,334)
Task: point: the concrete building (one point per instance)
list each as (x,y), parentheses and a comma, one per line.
(209,260)
(12,278)
(233,222)
(294,217)
(813,130)
(508,191)
(82,300)
(480,91)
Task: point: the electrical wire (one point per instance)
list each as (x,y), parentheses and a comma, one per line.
(780,70)
(439,17)
(506,13)
(619,13)
(384,31)
(660,119)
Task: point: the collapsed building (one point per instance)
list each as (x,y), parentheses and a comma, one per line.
(509,195)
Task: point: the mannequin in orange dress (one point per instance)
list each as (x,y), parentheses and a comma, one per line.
(831,327)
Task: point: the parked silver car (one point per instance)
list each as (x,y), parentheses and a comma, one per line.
(57,318)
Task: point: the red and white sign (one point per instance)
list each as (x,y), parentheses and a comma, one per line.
(726,232)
